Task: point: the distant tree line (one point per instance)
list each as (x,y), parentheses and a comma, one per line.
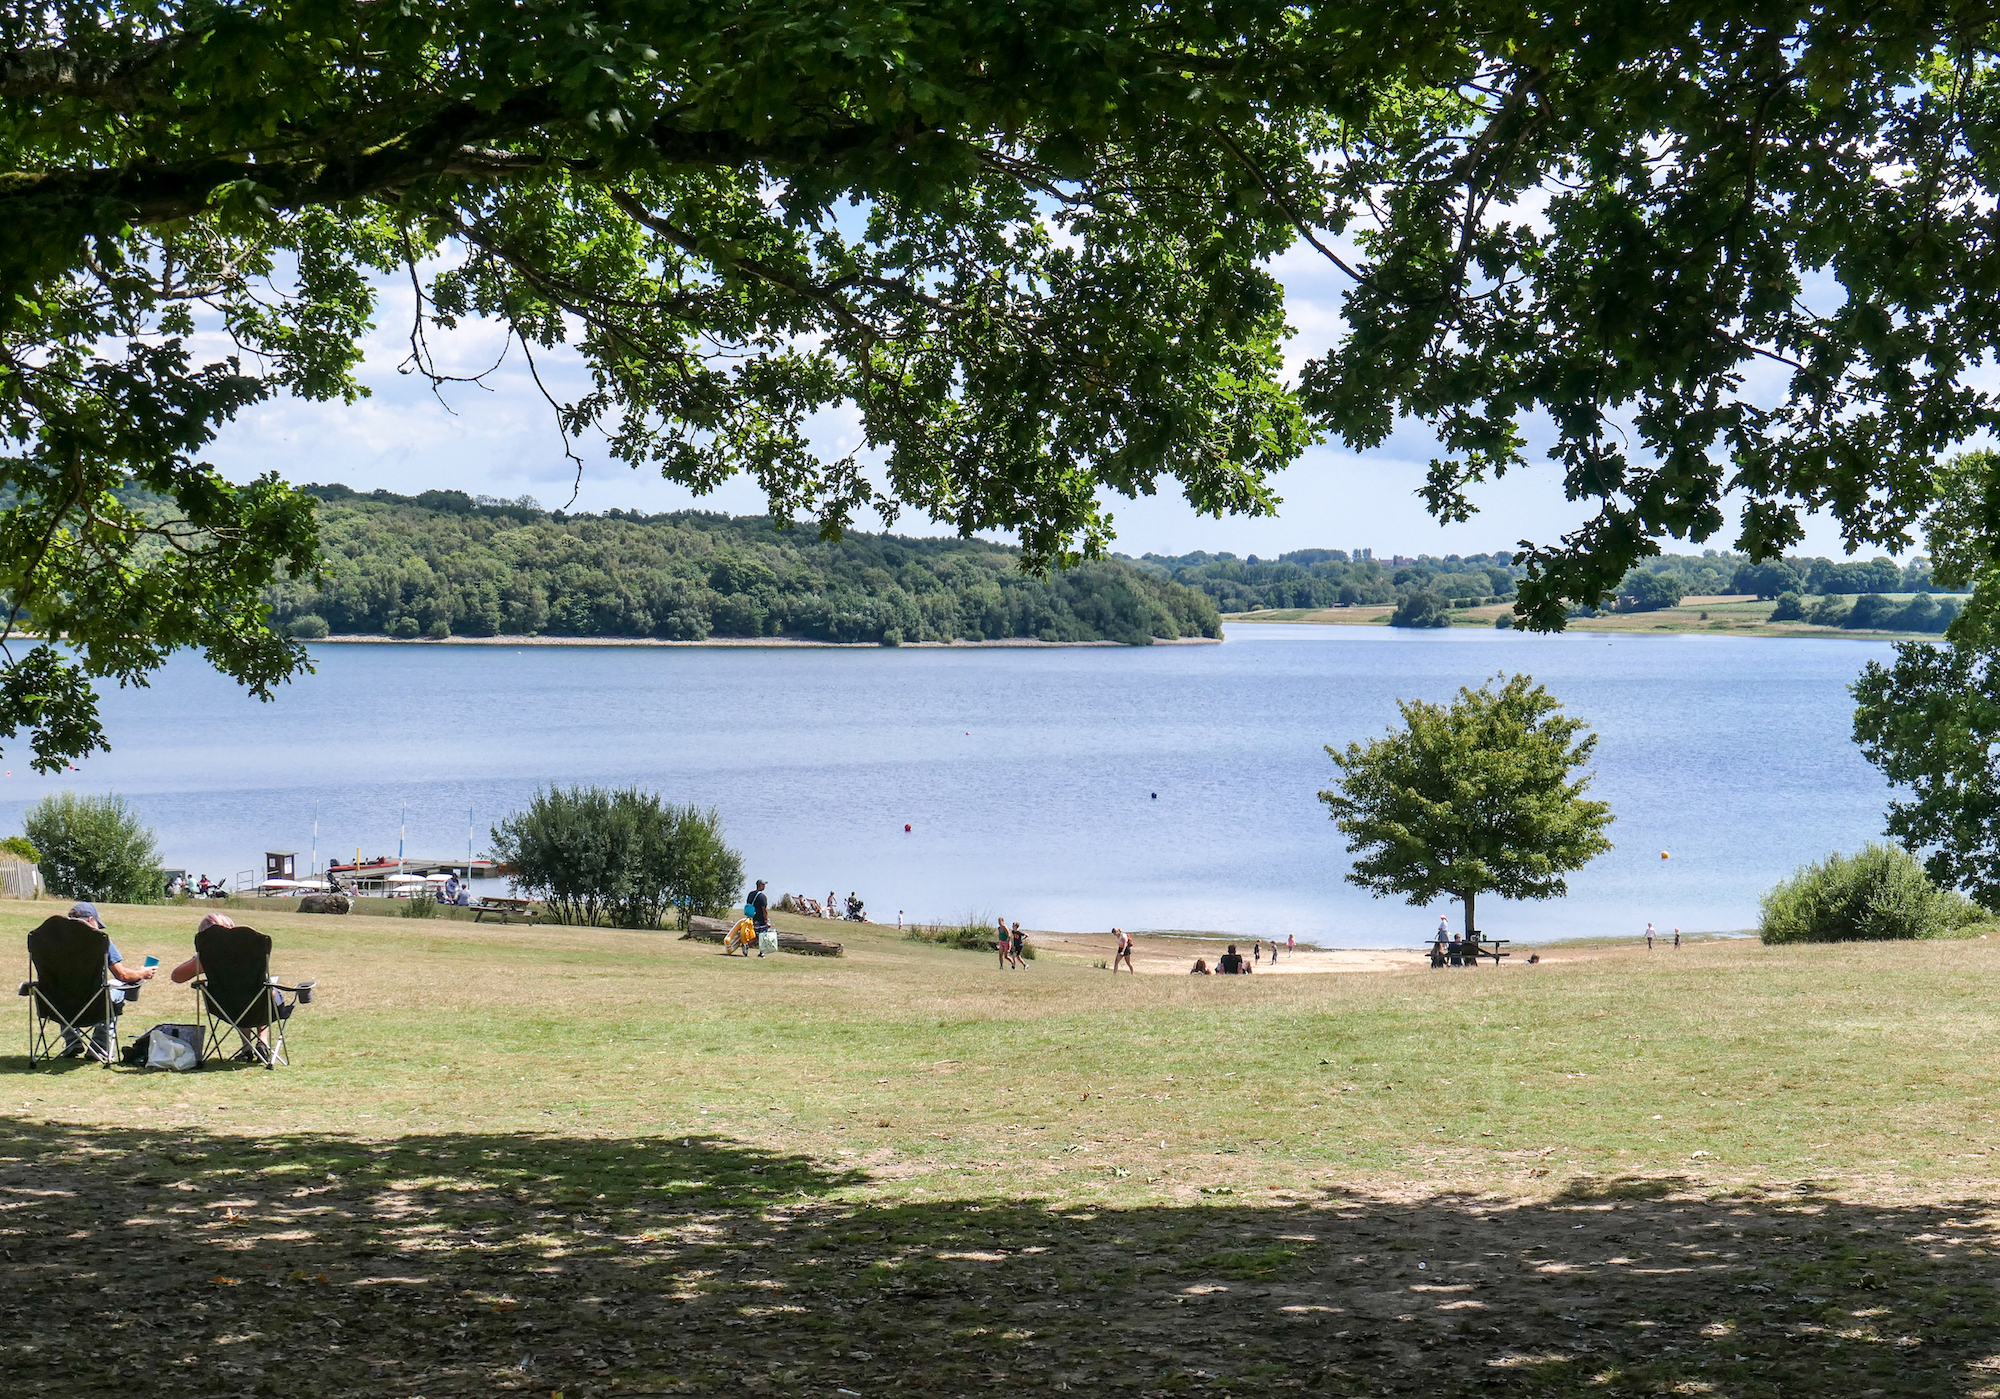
(1424,589)
(444,563)
(1333,578)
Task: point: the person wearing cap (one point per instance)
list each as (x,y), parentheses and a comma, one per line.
(85,912)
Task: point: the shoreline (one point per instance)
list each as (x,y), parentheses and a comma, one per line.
(1666,621)
(762,642)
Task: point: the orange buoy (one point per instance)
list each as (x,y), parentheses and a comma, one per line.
(1663,854)
(906,825)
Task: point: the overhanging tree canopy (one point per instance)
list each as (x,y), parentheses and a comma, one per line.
(1024,242)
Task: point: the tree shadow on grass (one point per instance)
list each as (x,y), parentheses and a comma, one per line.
(466,1264)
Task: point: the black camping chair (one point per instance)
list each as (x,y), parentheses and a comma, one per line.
(237,993)
(70,992)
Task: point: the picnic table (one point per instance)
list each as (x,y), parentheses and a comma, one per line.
(1470,951)
(504,909)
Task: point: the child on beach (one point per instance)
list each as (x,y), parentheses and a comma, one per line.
(1124,952)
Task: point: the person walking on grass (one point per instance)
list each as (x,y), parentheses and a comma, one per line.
(1002,943)
(760,920)
(1017,943)
(1677,937)
(1291,943)
(1649,937)
(1124,952)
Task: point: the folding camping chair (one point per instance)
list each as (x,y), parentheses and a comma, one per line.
(237,993)
(70,992)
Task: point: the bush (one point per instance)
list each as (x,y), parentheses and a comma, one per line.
(404,629)
(625,857)
(94,848)
(1504,621)
(439,631)
(1791,608)
(1878,894)
(1421,610)
(21,848)
(1924,613)
(1829,611)
(422,906)
(1870,611)
(970,934)
(311,627)
(1649,592)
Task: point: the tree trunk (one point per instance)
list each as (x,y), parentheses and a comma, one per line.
(1471,928)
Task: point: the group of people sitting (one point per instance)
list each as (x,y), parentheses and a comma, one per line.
(832,908)
(127,979)
(457,892)
(201,889)
(1457,952)
(1232,963)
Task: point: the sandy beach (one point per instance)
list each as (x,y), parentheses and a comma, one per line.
(1154,955)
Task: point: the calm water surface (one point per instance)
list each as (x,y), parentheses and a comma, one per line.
(1027,776)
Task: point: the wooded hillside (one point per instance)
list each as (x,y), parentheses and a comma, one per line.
(444,563)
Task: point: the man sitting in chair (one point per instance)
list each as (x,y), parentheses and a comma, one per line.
(130,976)
(190,969)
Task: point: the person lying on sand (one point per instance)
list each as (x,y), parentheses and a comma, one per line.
(1200,967)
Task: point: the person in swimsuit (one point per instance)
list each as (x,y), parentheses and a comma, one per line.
(1002,944)
(1124,952)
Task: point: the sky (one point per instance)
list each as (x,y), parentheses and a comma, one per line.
(501,440)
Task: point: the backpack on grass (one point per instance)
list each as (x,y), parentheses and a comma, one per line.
(168,1046)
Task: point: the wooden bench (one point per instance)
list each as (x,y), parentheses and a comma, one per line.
(504,909)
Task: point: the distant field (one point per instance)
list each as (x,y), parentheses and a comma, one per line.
(1735,616)
(604,1163)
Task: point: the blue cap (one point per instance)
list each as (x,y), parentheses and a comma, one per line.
(85,910)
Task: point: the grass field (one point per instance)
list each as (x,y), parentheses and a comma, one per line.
(1715,616)
(538,1160)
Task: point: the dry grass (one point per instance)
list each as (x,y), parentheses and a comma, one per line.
(540,1159)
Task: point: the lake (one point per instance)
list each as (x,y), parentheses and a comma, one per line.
(1166,787)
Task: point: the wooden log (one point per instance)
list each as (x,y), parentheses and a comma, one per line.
(711,930)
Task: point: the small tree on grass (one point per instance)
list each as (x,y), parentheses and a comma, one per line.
(93,848)
(625,857)
(1469,798)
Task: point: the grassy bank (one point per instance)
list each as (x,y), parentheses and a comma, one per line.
(1709,616)
(515,1159)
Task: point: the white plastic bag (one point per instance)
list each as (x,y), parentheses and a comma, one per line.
(176,1047)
